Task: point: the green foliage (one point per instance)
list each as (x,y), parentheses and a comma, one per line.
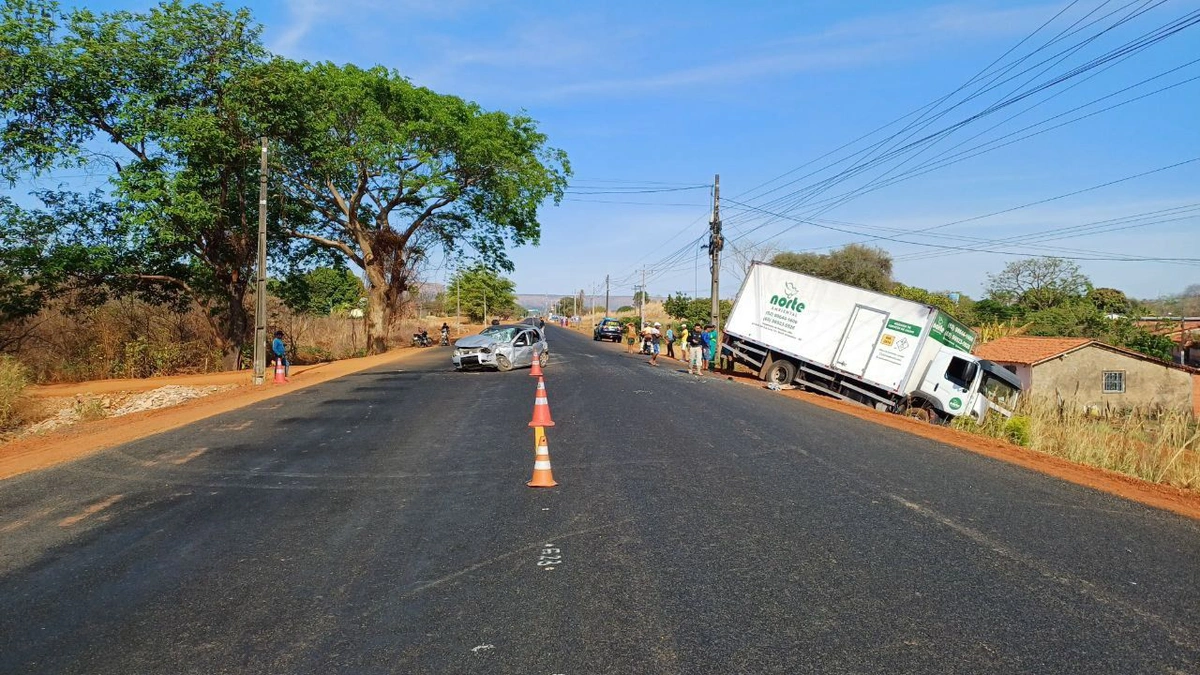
(853,264)
(565,306)
(1110,300)
(960,309)
(695,311)
(390,173)
(157,90)
(625,308)
(320,291)
(1019,429)
(1038,283)
(480,286)
(12,384)
(640,298)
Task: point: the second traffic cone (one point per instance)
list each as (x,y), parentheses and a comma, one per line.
(541,407)
(536,369)
(542,476)
(279,378)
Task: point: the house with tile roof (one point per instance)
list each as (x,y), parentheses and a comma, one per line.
(1090,373)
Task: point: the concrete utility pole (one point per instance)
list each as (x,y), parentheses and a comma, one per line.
(641,301)
(260,284)
(605,295)
(458,301)
(715,244)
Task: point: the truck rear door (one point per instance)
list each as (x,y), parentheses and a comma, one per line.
(859,340)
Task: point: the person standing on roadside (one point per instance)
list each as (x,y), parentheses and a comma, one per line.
(695,348)
(704,346)
(683,341)
(713,344)
(279,353)
(670,342)
(630,337)
(655,343)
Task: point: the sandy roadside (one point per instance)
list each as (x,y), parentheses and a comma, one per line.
(1176,500)
(79,440)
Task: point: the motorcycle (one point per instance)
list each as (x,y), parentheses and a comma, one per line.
(445,338)
(421,340)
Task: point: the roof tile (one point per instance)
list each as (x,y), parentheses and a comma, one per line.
(1027,350)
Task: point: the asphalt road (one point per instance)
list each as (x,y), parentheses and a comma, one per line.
(380,524)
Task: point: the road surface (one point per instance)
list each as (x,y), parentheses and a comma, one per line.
(380,524)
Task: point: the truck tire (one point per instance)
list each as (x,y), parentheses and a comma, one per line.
(780,371)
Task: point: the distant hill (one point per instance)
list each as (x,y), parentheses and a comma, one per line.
(539,302)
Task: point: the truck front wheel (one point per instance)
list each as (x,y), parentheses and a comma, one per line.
(781,371)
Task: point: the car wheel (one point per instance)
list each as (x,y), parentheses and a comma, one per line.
(502,363)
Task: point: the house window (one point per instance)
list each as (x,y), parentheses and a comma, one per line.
(1114,382)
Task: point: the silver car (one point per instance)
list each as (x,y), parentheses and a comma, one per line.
(501,347)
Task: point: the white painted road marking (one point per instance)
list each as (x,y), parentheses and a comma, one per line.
(551,556)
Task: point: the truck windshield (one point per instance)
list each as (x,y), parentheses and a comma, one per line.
(999,392)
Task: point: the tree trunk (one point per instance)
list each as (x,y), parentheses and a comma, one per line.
(377,311)
(237,329)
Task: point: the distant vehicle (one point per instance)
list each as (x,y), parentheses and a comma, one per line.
(501,347)
(607,329)
(863,346)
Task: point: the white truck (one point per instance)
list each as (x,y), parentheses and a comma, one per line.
(859,345)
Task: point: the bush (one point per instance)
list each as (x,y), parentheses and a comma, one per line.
(1019,429)
(12,385)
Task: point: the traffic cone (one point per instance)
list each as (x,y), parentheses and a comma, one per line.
(536,369)
(542,476)
(541,407)
(279,378)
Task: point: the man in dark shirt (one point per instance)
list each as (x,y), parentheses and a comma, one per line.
(696,354)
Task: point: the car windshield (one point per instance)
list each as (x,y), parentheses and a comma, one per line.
(500,333)
(999,392)
(610,323)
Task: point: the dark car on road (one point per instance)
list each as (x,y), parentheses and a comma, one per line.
(607,329)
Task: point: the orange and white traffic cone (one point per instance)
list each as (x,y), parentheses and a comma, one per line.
(542,476)
(541,407)
(279,378)
(536,369)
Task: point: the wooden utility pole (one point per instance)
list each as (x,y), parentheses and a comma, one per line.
(715,244)
(260,283)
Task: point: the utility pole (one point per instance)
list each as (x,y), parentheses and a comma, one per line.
(605,295)
(458,301)
(641,301)
(715,244)
(260,284)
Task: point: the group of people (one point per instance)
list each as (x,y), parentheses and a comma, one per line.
(698,346)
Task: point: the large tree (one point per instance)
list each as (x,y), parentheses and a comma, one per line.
(392,172)
(152,99)
(853,264)
(1038,283)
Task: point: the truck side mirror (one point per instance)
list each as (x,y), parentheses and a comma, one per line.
(972,372)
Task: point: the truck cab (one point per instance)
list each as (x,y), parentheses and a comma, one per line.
(957,383)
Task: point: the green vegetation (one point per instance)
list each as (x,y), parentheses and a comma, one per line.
(366,168)
(695,311)
(320,292)
(480,288)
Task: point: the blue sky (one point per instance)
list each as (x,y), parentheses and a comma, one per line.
(657,95)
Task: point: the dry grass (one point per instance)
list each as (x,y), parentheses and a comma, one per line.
(1157,446)
(12,385)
